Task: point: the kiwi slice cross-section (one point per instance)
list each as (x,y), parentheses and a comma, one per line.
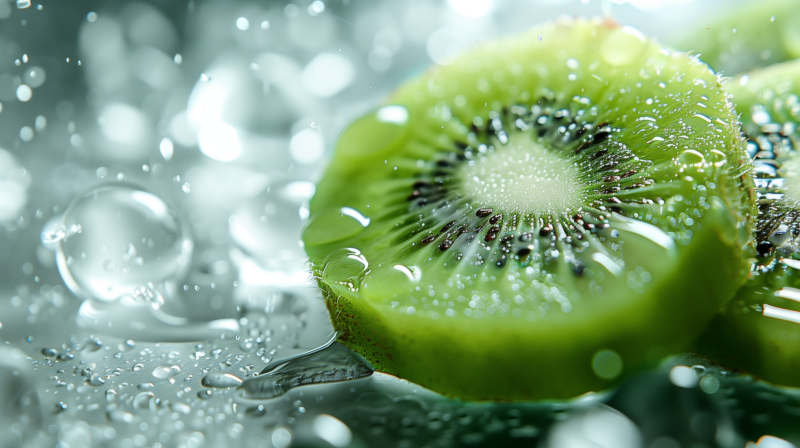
(540,218)
(759,331)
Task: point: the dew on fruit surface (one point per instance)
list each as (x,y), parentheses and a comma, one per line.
(128,239)
(683,376)
(709,384)
(332,364)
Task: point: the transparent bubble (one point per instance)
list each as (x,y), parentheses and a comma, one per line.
(122,239)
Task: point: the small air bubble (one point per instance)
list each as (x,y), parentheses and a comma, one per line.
(265,25)
(91,17)
(242,23)
(772,19)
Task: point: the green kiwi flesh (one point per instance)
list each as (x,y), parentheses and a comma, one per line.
(758,35)
(541,218)
(759,331)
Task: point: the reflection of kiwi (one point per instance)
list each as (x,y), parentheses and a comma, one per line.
(761,34)
(760,329)
(540,218)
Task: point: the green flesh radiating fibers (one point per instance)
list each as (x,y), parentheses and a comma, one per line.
(541,218)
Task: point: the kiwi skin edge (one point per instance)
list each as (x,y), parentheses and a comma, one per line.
(508,360)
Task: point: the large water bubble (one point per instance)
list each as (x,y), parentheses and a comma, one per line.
(119,241)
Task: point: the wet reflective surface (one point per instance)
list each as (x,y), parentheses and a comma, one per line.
(156,163)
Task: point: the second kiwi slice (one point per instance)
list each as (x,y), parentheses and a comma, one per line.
(540,218)
(759,331)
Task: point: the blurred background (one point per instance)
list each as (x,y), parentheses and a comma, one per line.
(156,162)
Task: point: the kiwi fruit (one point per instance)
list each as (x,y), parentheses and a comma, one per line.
(542,217)
(759,331)
(757,35)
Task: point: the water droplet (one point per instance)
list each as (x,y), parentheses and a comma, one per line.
(112,219)
(166,371)
(692,157)
(607,364)
(344,266)
(138,366)
(24,93)
(683,376)
(242,23)
(22,4)
(709,384)
(759,115)
(144,400)
(221,380)
(334,363)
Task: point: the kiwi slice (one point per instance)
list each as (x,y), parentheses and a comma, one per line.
(542,217)
(758,35)
(760,329)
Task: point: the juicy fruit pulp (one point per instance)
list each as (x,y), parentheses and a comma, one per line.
(760,329)
(538,219)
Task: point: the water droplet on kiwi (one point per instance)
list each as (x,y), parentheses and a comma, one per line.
(692,157)
(709,384)
(607,364)
(344,266)
(622,46)
(683,376)
(374,133)
(123,238)
(331,225)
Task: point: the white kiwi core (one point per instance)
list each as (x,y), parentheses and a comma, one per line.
(523,177)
